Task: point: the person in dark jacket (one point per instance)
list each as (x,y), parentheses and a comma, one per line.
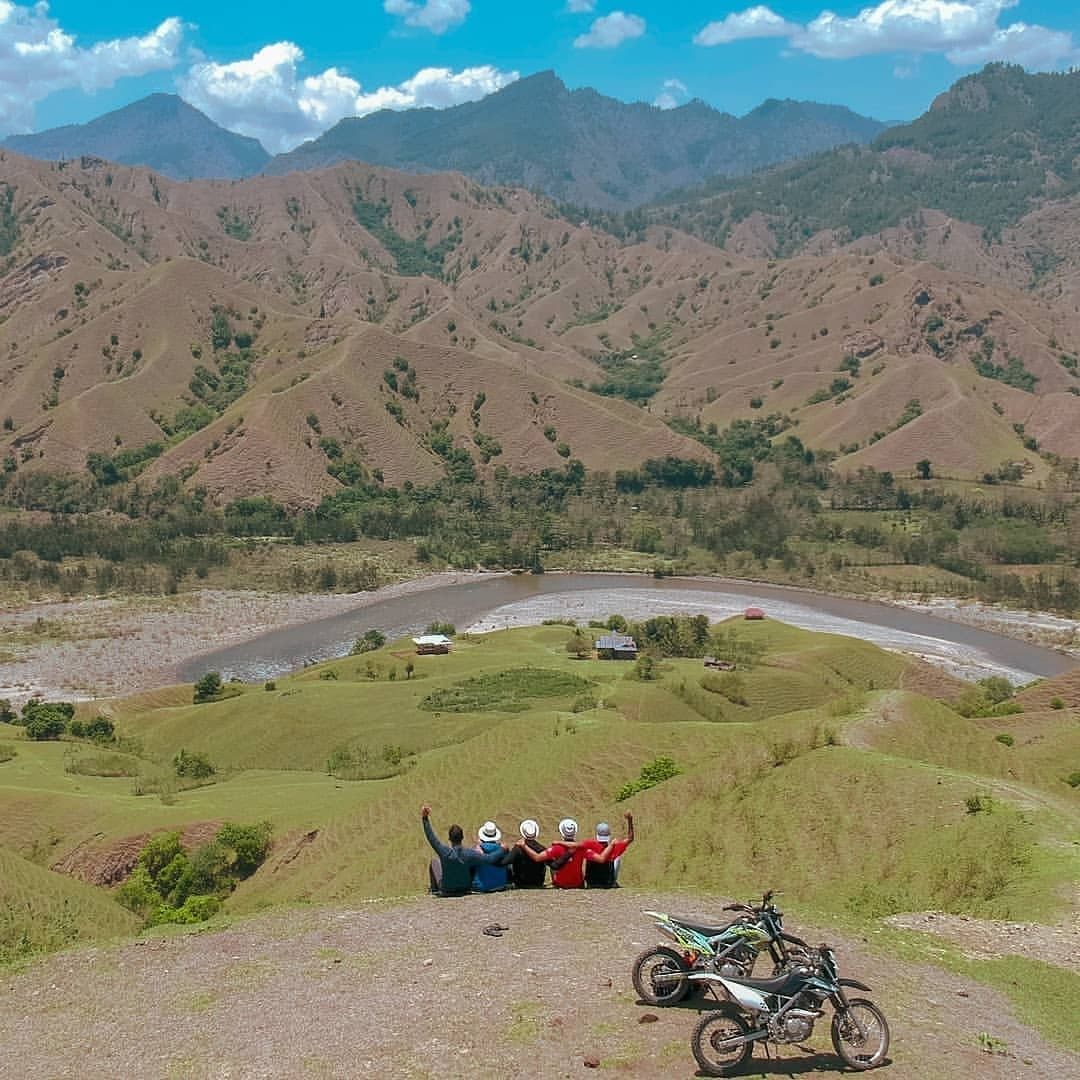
(526,873)
(451,872)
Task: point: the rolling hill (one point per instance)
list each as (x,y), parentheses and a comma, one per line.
(251,336)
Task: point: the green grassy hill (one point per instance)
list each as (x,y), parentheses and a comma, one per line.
(813,771)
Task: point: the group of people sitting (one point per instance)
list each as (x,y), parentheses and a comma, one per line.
(491,865)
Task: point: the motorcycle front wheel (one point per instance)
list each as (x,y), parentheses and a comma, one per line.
(860,1034)
(711,1043)
(660,976)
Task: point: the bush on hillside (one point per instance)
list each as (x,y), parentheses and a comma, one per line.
(209,687)
(371,640)
(446,628)
(173,885)
(7,713)
(192,766)
(7,752)
(99,730)
(652,773)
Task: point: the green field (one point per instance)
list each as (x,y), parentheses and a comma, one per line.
(825,778)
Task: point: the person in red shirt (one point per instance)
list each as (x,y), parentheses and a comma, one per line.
(568,856)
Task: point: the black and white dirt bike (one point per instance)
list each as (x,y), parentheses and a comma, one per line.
(784,1009)
(665,974)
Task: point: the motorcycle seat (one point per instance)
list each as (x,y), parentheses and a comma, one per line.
(783,985)
(705,930)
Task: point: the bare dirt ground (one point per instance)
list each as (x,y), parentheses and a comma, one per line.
(112,647)
(984,939)
(414,988)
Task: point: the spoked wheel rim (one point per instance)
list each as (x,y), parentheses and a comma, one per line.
(713,1045)
(861,1035)
(660,977)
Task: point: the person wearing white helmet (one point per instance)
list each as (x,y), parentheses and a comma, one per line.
(526,873)
(491,876)
(568,857)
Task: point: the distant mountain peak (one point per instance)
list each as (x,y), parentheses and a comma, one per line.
(161,131)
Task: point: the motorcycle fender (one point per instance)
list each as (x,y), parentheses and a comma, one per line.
(744,996)
(853,982)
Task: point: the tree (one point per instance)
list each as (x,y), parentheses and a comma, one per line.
(209,687)
(7,713)
(46,719)
(372,640)
(579,645)
(924,469)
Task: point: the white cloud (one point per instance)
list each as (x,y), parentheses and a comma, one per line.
(579,7)
(434,15)
(437,88)
(267,98)
(755,22)
(967,32)
(1035,47)
(672,94)
(37,58)
(610,31)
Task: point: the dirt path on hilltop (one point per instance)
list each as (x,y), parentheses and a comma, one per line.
(415,989)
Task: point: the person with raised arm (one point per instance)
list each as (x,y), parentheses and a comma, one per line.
(451,871)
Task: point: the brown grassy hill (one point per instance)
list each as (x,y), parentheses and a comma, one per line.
(373,308)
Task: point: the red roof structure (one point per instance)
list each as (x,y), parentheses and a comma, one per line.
(754,613)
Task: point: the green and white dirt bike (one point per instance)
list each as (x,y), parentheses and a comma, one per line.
(664,975)
(784,1009)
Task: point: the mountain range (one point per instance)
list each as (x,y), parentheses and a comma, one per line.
(287,334)
(993,148)
(581,147)
(576,146)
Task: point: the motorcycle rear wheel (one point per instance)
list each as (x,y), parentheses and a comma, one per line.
(865,1051)
(660,961)
(709,1037)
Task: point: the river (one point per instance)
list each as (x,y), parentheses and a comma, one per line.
(495,602)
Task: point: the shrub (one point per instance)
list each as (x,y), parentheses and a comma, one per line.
(44,720)
(997,689)
(371,640)
(1005,739)
(7,713)
(7,752)
(652,773)
(209,687)
(99,730)
(979,804)
(269,685)
(192,766)
(645,668)
(445,628)
(1057,703)
(1073,779)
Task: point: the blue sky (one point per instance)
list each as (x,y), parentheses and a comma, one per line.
(283,73)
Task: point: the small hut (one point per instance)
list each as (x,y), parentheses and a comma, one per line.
(754,613)
(432,644)
(616,647)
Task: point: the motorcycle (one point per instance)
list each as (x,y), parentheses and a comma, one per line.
(784,1009)
(663,975)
